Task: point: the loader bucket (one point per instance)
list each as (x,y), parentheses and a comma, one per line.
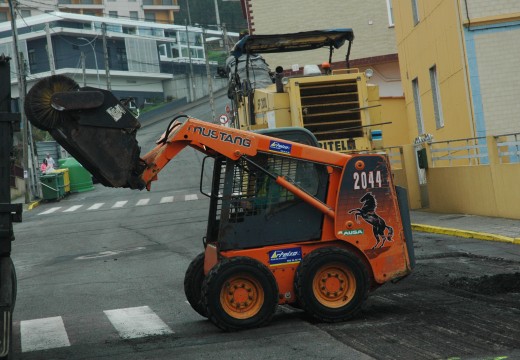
(92,125)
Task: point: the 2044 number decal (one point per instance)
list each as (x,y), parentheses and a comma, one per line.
(367,180)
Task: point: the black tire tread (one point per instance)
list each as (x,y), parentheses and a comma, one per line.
(213,276)
(193,284)
(300,281)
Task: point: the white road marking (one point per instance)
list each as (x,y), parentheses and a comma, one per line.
(50,211)
(143,202)
(137,322)
(191,197)
(73,208)
(119,204)
(41,334)
(166,199)
(96,206)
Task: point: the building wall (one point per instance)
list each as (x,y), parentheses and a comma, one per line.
(435,40)
(485,8)
(491,31)
(368,19)
(497,52)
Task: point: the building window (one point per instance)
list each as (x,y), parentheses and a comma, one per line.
(162,50)
(134,15)
(32,57)
(390,9)
(436,95)
(149,16)
(112,14)
(25,13)
(415,12)
(3,16)
(417,103)
(121,58)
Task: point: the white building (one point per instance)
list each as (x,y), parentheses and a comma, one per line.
(146,60)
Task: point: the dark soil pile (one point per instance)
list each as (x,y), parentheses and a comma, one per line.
(489,285)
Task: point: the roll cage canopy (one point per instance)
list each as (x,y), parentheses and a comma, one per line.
(301,41)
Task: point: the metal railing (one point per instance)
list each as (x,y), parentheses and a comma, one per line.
(508,148)
(159,2)
(395,156)
(470,151)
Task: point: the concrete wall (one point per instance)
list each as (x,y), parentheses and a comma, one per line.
(178,87)
(488,190)
(393,110)
(368,19)
(485,8)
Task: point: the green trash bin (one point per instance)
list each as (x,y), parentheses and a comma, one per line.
(61,184)
(80,178)
(51,186)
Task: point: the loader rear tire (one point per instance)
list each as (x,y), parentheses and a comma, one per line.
(193,280)
(240,293)
(332,284)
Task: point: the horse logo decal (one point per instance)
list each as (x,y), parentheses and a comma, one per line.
(368,213)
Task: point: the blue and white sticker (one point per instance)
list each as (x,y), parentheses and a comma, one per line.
(285,256)
(280,147)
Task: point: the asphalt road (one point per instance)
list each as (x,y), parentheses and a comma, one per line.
(104,254)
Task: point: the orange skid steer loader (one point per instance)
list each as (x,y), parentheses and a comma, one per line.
(289,223)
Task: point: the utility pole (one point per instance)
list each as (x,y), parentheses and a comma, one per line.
(217,15)
(33,163)
(188,8)
(192,97)
(226,40)
(105,52)
(83,68)
(50,52)
(21,90)
(208,73)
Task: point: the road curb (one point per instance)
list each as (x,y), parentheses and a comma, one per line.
(465,233)
(33,205)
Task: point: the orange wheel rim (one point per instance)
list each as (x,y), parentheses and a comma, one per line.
(242,296)
(334,285)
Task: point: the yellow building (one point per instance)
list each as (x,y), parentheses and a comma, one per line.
(459,71)
(459,68)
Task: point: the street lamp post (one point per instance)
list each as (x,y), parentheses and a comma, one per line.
(95,57)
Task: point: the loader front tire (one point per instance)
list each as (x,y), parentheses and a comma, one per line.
(193,280)
(240,293)
(331,284)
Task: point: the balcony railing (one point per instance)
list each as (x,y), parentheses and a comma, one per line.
(160,2)
(80,2)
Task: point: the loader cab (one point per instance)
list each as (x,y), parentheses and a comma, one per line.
(248,209)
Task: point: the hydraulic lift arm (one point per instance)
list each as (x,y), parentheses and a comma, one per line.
(232,143)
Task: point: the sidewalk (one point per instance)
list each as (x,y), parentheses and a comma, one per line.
(467,226)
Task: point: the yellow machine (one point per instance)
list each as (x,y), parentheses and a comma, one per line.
(337,105)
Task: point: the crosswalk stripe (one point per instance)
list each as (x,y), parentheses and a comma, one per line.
(96,206)
(41,334)
(191,197)
(166,199)
(51,210)
(73,208)
(137,322)
(119,204)
(143,202)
